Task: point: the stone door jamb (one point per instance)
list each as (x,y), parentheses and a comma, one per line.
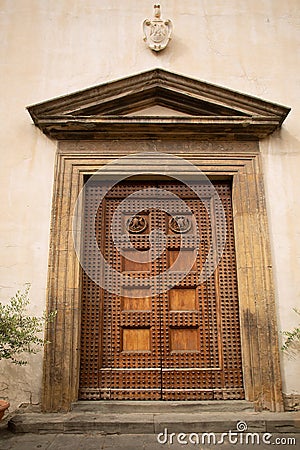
(240,161)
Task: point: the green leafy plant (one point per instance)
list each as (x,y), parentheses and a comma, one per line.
(19,332)
(291,337)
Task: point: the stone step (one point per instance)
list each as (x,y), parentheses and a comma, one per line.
(155,423)
(128,407)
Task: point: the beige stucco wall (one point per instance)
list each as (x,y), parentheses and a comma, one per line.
(53,47)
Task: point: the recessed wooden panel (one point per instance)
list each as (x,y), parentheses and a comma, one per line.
(135,299)
(136,304)
(136,340)
(129,264)
(184,339)
(182,299)
(186,259)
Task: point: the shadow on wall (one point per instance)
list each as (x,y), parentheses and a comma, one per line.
(280,143)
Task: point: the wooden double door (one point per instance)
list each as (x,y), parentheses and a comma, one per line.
(158,337)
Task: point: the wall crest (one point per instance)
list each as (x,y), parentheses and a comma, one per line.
(157,31)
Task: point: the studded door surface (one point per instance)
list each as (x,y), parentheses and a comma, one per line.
(182,343)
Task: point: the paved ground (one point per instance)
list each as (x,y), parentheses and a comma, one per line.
(10,441)
(45,434)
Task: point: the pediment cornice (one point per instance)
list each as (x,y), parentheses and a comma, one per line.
(107,111)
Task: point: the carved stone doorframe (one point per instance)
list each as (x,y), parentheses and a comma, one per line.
(238,160)
(218,130)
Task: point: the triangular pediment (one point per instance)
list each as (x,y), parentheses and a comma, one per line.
(157,103)
(158,111)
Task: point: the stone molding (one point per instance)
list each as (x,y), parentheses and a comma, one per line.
(208,111)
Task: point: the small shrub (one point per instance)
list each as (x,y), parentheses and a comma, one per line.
(20,333)
(291,337)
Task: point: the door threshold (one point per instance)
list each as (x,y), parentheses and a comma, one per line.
(161,406)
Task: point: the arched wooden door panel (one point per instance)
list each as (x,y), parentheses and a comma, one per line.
(182,344)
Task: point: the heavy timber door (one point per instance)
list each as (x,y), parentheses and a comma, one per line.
(184,342)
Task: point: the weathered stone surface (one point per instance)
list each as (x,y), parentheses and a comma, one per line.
(209,111)
(291,402)
(147,423)
(126,407)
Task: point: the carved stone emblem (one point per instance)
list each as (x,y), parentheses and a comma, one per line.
(136,224)
(157,32)
(180,224)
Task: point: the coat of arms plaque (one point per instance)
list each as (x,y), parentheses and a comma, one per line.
(157,31)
